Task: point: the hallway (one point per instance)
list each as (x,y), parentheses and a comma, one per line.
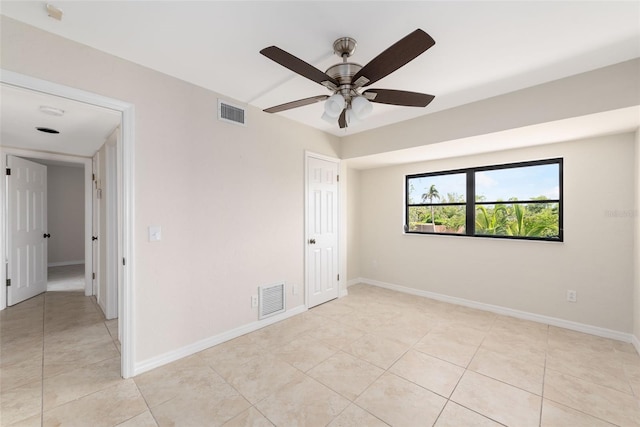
(51,345)
(65,278)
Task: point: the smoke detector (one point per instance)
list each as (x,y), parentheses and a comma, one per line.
(52,111)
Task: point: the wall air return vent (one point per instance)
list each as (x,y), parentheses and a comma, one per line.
(231,113)
(272,300)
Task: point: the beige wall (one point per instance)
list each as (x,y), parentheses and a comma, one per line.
(65,214)
(595,259)
(353,213)
(636,254)
(604,89)
(229,199)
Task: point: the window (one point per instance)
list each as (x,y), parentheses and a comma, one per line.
(517,200)
(442,197)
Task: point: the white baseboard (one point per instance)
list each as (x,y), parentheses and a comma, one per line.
(554,321)
(63,263)
(64,287)
(353,281)
(172,356)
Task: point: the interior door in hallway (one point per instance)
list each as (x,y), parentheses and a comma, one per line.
(27,229)
(95,231)
(322,230)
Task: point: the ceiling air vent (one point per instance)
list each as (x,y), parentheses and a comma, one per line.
(231,113)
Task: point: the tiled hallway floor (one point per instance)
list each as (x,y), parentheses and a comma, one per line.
(374,358)
(65,278)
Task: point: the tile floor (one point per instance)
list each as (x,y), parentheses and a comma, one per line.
(65,278)
(373,358)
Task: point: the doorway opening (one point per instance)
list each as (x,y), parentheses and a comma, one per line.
(124,215)
(66,260)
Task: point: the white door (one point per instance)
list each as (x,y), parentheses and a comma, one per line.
(322,230)
(95,261)
(27,226)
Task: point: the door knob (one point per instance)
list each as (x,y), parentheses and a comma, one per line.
(46,235)
(312,241)
(94,237)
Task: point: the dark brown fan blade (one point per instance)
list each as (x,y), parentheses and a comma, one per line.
(297,65)
(342,121)
(394,57)
(398,97)
(296,104)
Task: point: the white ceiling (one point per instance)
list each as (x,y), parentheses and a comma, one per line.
(83,128)
(482,49)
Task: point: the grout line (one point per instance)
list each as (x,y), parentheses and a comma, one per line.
(44,316)
(544,375)
(46,301)
(466,368)
(212,367)
(145,402)
(256,408)
(479,413)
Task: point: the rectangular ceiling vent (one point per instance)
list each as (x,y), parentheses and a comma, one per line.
(271,300)
(231,113)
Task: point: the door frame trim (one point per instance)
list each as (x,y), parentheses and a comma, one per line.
(94,288)
(307,155)
(126,248)
(111,244)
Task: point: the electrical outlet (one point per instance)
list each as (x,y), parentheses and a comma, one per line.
(572,296)
(254,300)
(294,289)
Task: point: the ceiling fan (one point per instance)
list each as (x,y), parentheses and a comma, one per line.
(349,103)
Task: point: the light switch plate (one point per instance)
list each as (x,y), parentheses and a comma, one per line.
(155,233)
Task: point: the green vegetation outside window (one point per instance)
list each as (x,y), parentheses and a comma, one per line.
(516,200)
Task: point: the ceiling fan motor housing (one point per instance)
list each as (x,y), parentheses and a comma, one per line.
(343,73)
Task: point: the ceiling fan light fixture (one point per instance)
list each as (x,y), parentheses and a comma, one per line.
(334,105)
(331,120)
(351,117)
(361,107)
